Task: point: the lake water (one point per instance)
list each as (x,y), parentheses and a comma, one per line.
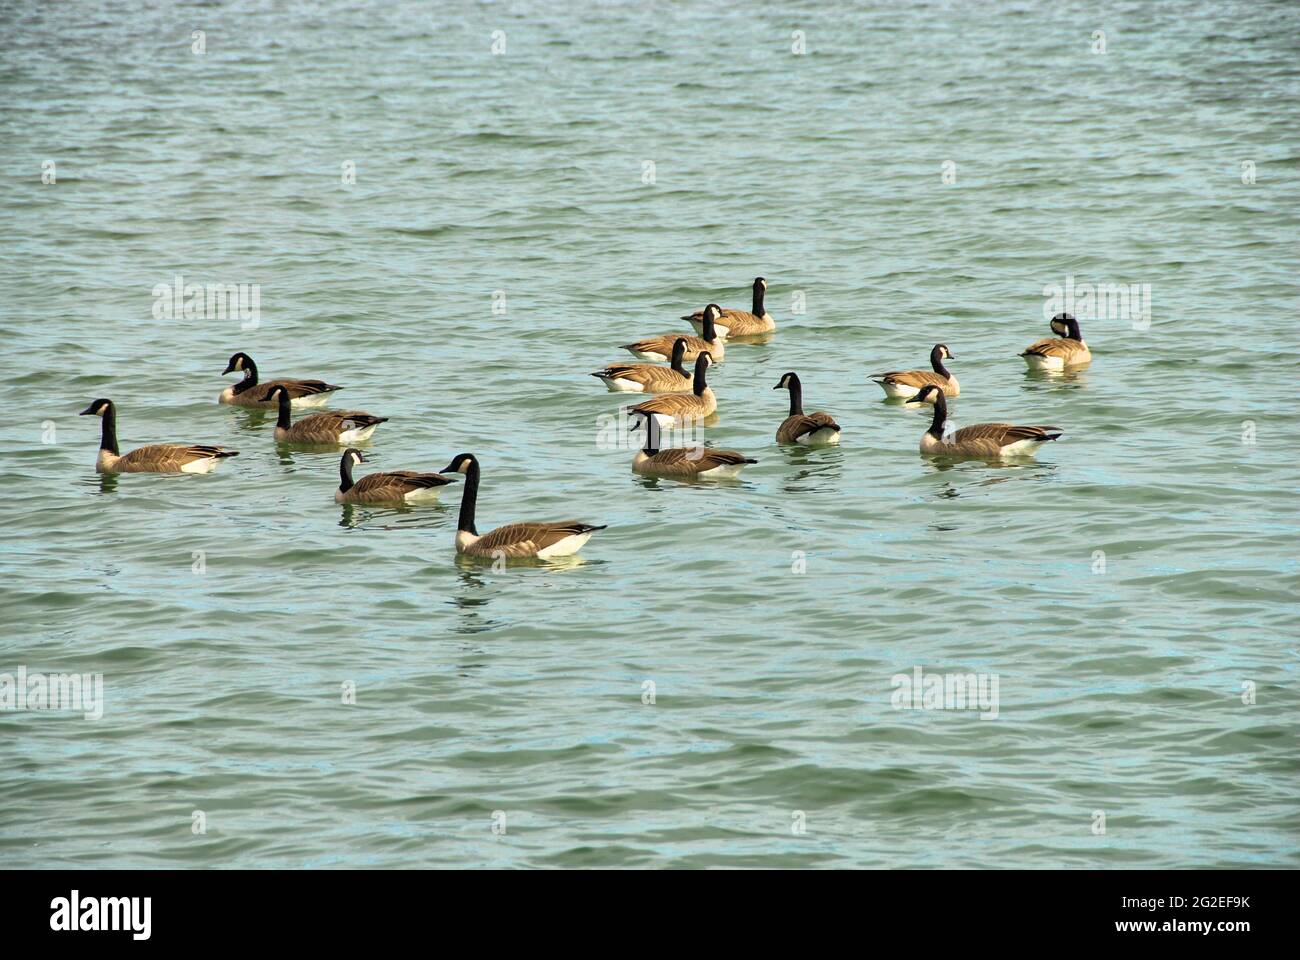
(918,175)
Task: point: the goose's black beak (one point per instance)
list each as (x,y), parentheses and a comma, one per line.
(777,387)
(450,468)
(88,411)
(230,368)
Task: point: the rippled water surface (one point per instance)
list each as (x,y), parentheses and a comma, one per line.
(1126,589)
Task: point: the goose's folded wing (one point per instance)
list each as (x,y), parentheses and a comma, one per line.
(300,388)
(164,456)
(911,378)
(1052,347)
(1004,433)
(526,539)
(398,483)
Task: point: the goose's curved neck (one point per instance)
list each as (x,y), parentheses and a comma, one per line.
(707,328)
(283,421)
(345,473)
(936,361)
(1073,330)
(700,366)
(651,446)
(940,417)
(250,376)
(469,500)
(758,300)
(679,351)
(796,396)
(108,430)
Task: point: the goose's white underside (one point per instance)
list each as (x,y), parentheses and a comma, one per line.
(1039,362)
(206,465)
(619,385)
(724,472)
(357,435)
(904,391)
(642,355)
(423,495)
(562,548)
(898,390)
(820,438)
(312,400)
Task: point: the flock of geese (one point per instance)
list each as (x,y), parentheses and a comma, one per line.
(682,397)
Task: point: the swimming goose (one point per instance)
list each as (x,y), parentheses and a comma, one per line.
(812,429)
(661,348)
(739,323)
(399,486)
(684,462)
(983,441)
(515,540)
(907,383)
(344,426)
(675,409)
(1066,349)
(302,393)
(646,377)
(154,458)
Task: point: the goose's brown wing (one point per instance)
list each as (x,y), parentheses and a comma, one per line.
(397,483)
(170,457)
(664,344)
(689,461)
(1003,434)
(676,405)
(1054,347)
(528,539)
(296,388)
(795,427)
(912,378)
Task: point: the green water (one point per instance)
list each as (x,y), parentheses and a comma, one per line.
(516,180)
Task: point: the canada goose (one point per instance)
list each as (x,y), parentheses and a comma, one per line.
(661,348)
(684,462)
(984,441)
(154,458)
(738,323)
(907,383)
(646,377)
(812,429)
(302,393)
(515,540)
(400,486)
(675,409)
(344,426)
(1066,349)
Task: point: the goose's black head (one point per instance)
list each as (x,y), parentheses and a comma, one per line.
(679,350)
(786,380)
(353,456)
(460,463)
(713,312)
(942,352)
(97,409)
(276,392)
(240,361)
(760,283)
(923,395)
(1063,324)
